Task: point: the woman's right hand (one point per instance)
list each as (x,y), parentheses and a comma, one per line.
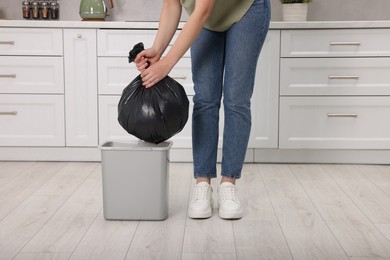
(146,58)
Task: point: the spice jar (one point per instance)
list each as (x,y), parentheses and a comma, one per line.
(35,10)
(45,10)
(26,9)
(54,10)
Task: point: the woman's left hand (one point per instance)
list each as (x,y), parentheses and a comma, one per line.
(154,73)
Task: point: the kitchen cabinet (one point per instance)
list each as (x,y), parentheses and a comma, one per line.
(31,87)
(321,95)
(81,87)
(334,89)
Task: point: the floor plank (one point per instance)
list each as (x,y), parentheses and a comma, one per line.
(209,256)
(43,256)
(378,174)
(22,224)
(10,170)
(164,239)
(68,225)
(258,234)
(371,200)
(106,240)
(18,189)
(306,233)
(356,234)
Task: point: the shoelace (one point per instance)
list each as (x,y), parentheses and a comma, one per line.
(228,193)
(200,193)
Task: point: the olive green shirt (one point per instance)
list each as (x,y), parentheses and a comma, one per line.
(224,14)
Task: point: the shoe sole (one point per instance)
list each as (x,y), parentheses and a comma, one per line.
(231,215)
(203,214)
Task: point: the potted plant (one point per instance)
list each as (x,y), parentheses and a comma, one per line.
(294,10)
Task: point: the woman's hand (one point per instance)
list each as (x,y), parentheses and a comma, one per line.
(154,73)
(146,58)
(150,66)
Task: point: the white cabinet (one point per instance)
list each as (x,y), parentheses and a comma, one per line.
(31,87)
(335,122)
(31,120)
(265,100)
(334,95)
(335,43)
(30,41)
(21,74)
(81,87)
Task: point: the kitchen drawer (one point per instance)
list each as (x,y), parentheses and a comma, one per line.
(118,43)
(335,43)
(116,73)
(334,122)
(30,41)
(32,120)
(335,76)
(31,74)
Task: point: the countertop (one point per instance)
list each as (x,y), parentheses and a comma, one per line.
(154,25)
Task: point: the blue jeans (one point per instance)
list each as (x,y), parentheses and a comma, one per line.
(224,64)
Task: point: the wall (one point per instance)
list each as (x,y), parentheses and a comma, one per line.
(148,10)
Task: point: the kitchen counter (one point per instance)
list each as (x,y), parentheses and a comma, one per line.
(153,25)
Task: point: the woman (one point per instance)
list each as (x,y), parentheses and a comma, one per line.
(225,37)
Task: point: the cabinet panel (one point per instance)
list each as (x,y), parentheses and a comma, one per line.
(116,73)
(30,41)
(330,76)
(31,74)
(109,127)
(81,87)
(265,100)
(335,43)
(335,122)
(118,43)
(32,120)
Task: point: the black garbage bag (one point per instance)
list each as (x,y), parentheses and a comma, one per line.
(153,114)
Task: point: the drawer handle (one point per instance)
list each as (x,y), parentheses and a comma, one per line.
(342,115)
(7,75)
(344,43)
(7,42)
(343,77)
(12,113)
(179,77)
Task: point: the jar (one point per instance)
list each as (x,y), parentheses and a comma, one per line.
(45,10)
(26,9)
(54,10)
(35,10)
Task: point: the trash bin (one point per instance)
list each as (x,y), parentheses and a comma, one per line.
(135,180)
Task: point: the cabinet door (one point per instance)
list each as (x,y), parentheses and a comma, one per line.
(32,120)
(265,100)
(335,122)
(31,74)
(109,127)
(81,87)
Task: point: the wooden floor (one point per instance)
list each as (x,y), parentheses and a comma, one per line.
(53,210)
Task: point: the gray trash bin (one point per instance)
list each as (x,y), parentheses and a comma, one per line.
(135,180)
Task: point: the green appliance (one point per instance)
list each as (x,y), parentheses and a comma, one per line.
(94,10)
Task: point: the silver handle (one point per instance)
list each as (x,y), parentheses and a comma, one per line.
(179,77)
(341,115)
(344,43)
(12,113)
(343,77)
(79,36)
(7,75)
(7,42)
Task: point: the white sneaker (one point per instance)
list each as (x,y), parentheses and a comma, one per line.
(201,203)
(229,205)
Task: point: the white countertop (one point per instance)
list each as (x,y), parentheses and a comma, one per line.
(154,25)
